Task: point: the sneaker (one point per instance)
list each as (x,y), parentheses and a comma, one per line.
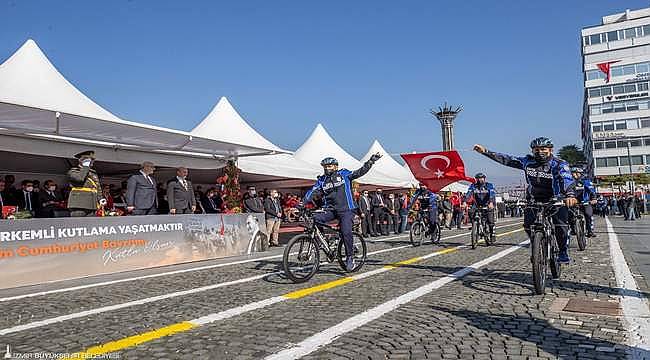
(349,263)
(563,257)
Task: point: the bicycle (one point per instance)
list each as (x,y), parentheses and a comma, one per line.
(306,248)
(544,248)
(480,227)
(578,226)
(420,229)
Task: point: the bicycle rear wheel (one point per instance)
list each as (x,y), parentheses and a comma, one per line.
(580,234)
(539,255)
(417,233)
(301,258)
(360,252)
(436,233)
(475,234)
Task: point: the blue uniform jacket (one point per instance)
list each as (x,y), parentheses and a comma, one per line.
(483,195)
(336,189)
(428,199)
(585,190)
(545,180)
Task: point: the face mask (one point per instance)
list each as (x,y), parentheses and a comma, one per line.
(86,162)
(252,192)
(541,157)
(29,189)
(52,188)
(329,172)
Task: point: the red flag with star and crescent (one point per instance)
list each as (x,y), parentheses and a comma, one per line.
(437,169)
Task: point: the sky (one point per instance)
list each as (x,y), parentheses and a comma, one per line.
(364,69)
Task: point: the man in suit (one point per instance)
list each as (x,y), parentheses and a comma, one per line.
(252,202)
(27,198)
(211,202)
(48,199)
(392,206)
(84,196)
(365,206)
(180,194)
(379,212)
(141,194)
(273,214)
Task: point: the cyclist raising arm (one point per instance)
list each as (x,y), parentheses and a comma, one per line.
(335,186)
(547,177)
(484,195)
(428,201)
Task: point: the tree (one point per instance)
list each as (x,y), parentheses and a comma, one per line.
(572,154)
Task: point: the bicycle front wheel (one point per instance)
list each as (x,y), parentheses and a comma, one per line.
(539,254)
(580,235)
(301,258)
(436,233)
(417,233)
(475,234)
(360,252)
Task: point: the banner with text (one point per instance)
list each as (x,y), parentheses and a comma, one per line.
(34,251)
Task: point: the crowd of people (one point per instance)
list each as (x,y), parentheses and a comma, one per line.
(627,205)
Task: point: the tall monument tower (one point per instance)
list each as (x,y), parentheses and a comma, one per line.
(446,115)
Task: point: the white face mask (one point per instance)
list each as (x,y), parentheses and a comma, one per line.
(29,189)
(52,188)
(86,162)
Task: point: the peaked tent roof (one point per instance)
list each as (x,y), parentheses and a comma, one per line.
(36,99)
(320,145)
(224,123)
(388,165)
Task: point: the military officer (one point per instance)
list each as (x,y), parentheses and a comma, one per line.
(86,190)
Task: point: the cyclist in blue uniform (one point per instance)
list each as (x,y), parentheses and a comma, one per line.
(335,188)
(428,201)
(547,177)
(484,196)
(586,194)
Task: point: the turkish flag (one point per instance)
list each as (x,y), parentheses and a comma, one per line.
(606,68)
(437,169)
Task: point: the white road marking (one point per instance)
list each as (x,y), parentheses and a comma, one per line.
(325,337)
(175,272)
(636,313)
(95,311)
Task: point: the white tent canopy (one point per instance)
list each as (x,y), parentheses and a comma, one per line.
(37,101)
(320,145)
(225,123)
(388,165)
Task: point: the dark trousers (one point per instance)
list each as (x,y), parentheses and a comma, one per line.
(487,213)
(403,222)
(366,223)
(560,220)
(588,212)
(458,217)
(393,221)
(151,211)
(346,220)
(380,217)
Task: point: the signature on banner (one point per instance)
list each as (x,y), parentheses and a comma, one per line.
(113,256)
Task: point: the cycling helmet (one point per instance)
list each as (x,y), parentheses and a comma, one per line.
(541,142)
(329,161)
(577,169)
(479,175)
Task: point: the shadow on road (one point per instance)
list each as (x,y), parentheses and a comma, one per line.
(559,342)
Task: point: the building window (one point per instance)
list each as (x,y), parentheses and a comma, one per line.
(619,89)
(623,161)
(608,126)
(645,122)
(598,145)
(642,86)
(596,127)
(594,39)
(630,33)
(621,125)
(610,144)
(612,161)
(637,159)
(594,92)
(621,143)
(635,142)
(616,71)
(646,141)
(601,162)
(612,36)
(646,30)
(642,68)
(628,69)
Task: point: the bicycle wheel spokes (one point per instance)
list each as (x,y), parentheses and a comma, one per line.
(417,233)
(539,254)
(301,258)
(359,251)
